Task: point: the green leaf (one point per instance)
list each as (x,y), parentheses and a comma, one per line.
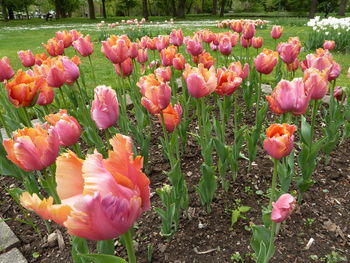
(244,209)
(235,216)
(100,258)
(105,247)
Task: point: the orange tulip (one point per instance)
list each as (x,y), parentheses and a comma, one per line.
(39,58)
(316,83)
(54,47)
(237,67)
(23,89)
(228,81)
(237,26)
(257,42)
(172,117)
(100,198)
(156,98)
(167,55)
(266,61)
(33,148)
(163,74)
(66,37)
(116,48)
(279,140)
(205,58)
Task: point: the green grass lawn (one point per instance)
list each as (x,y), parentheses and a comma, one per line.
(22,35)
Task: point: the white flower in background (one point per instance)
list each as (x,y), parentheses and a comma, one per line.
(327,33)
(314,28)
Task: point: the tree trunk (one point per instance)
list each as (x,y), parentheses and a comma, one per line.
(57,9)
(3,10)
(189,8)
(27,13)
(342,7)
(215,7)
(173,7)
(11,13)
(104,9)
(203,5)
(181,9)
(91,9)
(313,7)
(145,9)
(222,10)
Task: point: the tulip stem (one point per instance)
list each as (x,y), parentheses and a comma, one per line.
(77,149)
(50,185)
(63,98)
(274,182)
(92,70)
(28,122)
(313,118)
(108,137)
(129,246)
(3,123)
(272,239)
(258,94)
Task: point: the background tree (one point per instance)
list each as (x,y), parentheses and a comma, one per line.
(104,13)
(91,9)
(342,7)
(4,10)
(313,7)
(181,9)
(215,7)
(222,10)
(145,9)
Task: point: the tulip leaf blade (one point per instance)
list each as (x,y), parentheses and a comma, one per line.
(103,258)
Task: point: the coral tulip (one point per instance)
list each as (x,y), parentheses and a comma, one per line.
(316,83)
(288,52)
(289,96)
(54,47)
(208,36)
(237,26)
(282,208)
(27,58)
(163,74)
(204,58)
(162,42)
(249,31)
(46,93)
(66,126)
(245,42)
(125,68)
(84,46)
(66,37)
(234,39)
(200,81)
(146,82)
(176,37)
(133,50)
(105,107)
(23,89)
(39,58)
(75,34)
(194,46)
(213,46)
(329,44)
(179,62)
(225,46)
(33,148)
(167,55)
(228,82)
(172,117)
(257,42)
(279,140)
(115,49)
(266,61)
(334,71)
(151,43)
(156,98)
(276,32)
(142,56)
(241,72)
(100,198)
(6,71)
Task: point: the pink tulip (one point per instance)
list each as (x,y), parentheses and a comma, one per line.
(249,31)
(105,107)
(266,61)
(156,98)
(176,37)
(245,42)
(163,74)
(200,81)
(276,32)
(179,62)
(167,55)
(65,37)
(71,70)
(293,66)
(75,34)
(115,49)
(125,69)
(234,39)
(84,46)
(241,72)
(228,81)
(143,42)
(289,96)
(329,44)
(338,93)
(133,50)
(172,117)
(282,208)
(288,52)
(213,46)
(27,58)
(194,46)
(33,148)
(67,127)
(334,71)
(100,198)
(142,56)
(162,42)
(6,71)
(257,42)
(225,47)
(316,83)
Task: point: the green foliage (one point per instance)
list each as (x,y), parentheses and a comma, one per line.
(237,214)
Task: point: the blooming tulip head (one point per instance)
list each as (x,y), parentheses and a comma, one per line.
(338,93)
(225,46)
(66,126)
(282,208)
(228,81)
(207,36)
(6,71)
(23,89)
(257,42)
(33,148)
(133,51)
(204,58)
(163,74)
(124,69)
(156,98)
(100,198)
(194,46)
(266,61)
(289,96)
(75,34)
(167,55)
(179,62)
(142,55)
(105,107)
(245,42)
(276,32)
(46,93)
(249,31)
(39,58)
(66,37)
(84,46)
(200,81)
(162,42)
(54,47)
(334,71)
(241,72)
(116,49)
(288,52)
(172,117)
(329,44)
(279,140)
(176,37)
(293,66)
(27,58)
(234,39)
(237,26)
(316,83)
